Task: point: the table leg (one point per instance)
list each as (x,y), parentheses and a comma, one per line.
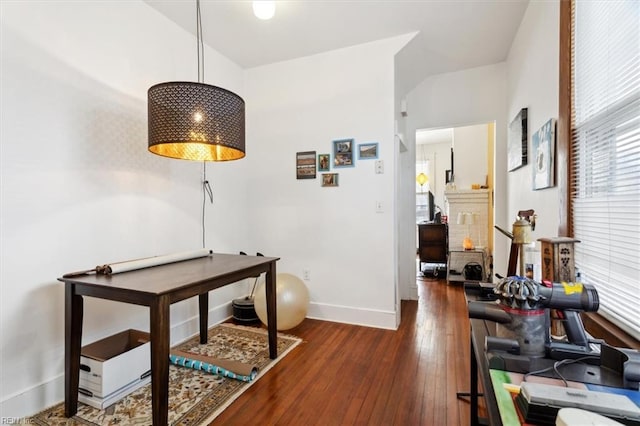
(203,303)
(272,318)
(73,313)
(473,371)
(159,318)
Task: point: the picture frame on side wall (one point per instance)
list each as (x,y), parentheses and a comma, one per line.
(324,162)
(517,141)
(329,179)
(343,153)
(306,165)
(543,145)
(368,151)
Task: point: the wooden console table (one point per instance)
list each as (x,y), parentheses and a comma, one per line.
(158,287)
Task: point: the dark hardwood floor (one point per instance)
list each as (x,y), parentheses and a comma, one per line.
(350,375)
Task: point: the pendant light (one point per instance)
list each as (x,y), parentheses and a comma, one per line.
(196,121)
(421,179)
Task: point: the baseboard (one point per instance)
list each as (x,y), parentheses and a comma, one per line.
(50,392)
(350,315)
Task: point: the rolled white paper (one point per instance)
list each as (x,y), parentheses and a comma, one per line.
(132,265)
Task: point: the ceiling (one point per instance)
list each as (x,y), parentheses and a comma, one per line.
(449,34)
(429,137)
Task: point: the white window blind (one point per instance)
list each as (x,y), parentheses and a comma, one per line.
(605,154)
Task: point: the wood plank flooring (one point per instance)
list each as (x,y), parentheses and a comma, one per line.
(350,375)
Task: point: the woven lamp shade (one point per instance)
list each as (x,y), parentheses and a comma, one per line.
(195,121)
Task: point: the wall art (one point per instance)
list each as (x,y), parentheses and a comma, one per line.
(543,145)
(343,153)
(306,165)
(517,141)
(330,179)
(368,151)
(324,162)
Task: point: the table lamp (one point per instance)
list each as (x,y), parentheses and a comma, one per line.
(466,219)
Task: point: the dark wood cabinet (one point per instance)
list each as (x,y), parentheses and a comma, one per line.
(433,243)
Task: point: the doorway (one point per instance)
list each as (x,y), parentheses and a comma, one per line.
(458,159)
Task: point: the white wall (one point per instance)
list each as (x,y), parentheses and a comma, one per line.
(78,185)
(462,98)
(335,233)
(533,69)
(470,155)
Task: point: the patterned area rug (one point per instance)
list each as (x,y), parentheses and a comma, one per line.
(195,397)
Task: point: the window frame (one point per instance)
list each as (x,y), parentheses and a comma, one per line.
(595,323)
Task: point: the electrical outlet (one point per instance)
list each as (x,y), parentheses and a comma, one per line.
(306,275)
(379,207)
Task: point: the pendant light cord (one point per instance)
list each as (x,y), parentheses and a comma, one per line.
(200,43)
(206,191)
(206,188)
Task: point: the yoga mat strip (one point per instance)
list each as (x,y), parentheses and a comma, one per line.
(237,367)
(196,364)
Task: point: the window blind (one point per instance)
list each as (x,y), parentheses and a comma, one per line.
(605,154)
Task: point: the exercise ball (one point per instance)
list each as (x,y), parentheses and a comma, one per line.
(292,301)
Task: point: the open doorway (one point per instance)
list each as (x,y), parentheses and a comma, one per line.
(458,182)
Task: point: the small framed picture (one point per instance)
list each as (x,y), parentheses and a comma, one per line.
(324,162)
(368,151)
(543,146)
(343,153)
(330,179)
(517,141)
(306,165)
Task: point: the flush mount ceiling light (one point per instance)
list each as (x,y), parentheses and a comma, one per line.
(264,9)
(196,121)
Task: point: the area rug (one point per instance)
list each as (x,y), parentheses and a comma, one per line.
(195,397)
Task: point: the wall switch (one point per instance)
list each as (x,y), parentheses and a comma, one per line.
(379,167)
(379,207)
(306,275)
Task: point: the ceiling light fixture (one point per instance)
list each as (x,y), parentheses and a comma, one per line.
(264,9)
(196,121)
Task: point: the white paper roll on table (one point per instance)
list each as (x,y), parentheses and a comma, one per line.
(132,265)
(147,262)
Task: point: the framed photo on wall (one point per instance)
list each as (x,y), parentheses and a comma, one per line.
(543,144)
(324,162)
(368,151)
(448,176)
(343,153)
(330,179)
(517,141)
(306,165)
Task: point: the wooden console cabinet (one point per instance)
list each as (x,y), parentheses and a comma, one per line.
(433,243)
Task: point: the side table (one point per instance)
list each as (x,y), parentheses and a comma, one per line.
(459,257)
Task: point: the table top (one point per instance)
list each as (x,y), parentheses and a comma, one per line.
(588,376)
(464,250)
(172,277)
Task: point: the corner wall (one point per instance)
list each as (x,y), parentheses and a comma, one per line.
(333,232)
(79,188)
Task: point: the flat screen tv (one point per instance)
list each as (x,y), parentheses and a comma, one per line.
(432,206)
